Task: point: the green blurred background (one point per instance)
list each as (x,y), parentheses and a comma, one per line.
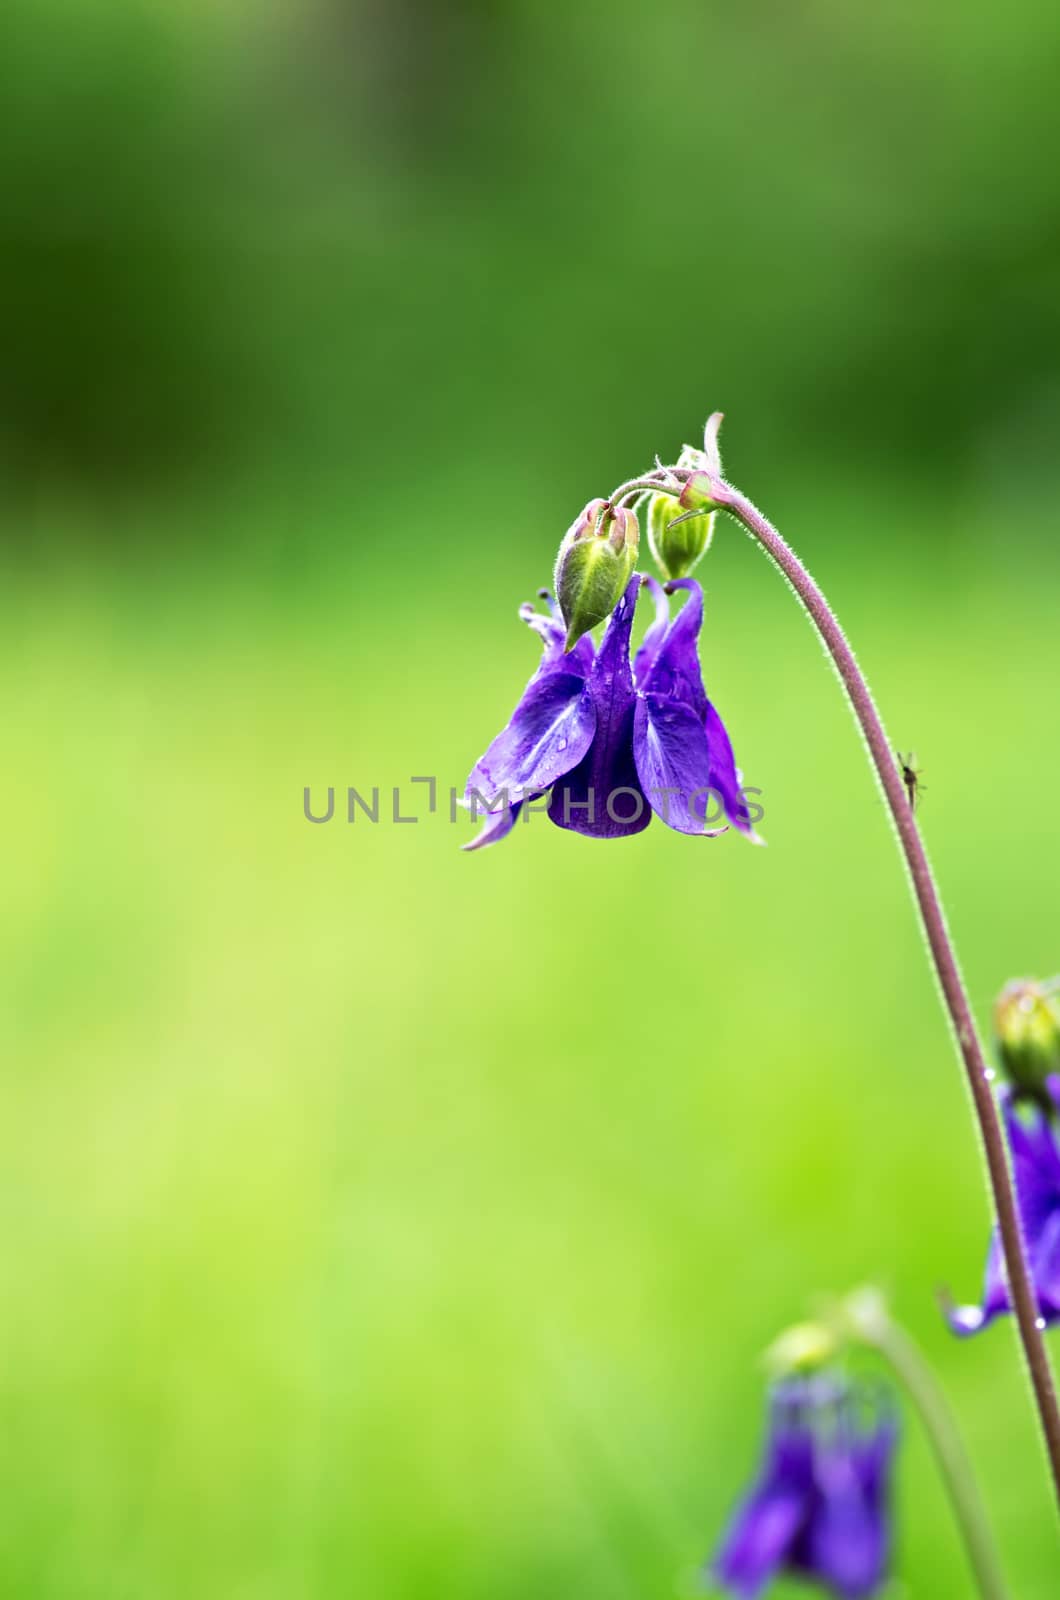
(381,1220)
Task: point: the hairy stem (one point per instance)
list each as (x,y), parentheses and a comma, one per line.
(955,999)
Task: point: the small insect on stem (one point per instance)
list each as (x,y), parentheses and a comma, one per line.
(911,776)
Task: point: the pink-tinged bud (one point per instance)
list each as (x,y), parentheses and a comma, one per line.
(585,524)
(594,565)
(698,493)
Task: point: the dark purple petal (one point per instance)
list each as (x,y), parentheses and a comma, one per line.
(656,633)
(673,763)
(760,1537)
(1045,1269)
(601,796)
(872,1461)
(765,1529)
(674,668)
(846,1543)
(724,779)
(1036,1164)
(551,729)
(671,673)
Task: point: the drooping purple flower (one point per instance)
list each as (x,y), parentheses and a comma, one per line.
(614,742)
(1032,1136)
(820,1506)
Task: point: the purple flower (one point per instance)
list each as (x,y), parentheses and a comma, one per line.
(820,1505)
(1032,1139)
(614,742)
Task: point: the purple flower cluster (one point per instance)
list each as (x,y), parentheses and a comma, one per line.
(820,1504)
(614,741)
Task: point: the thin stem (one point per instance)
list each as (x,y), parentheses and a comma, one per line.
(929,905)
(645,485)
(911,1368)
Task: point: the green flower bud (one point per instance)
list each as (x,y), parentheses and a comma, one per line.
(594,565)
(806,1347)
(1027,1025)
(677,545)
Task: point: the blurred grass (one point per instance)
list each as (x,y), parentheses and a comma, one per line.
(383,1217)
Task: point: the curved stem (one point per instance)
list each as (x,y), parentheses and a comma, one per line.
(645,485)
(942,954)
(909,1365)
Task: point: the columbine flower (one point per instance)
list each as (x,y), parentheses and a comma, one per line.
(614,743)
(1032,1138)
(820,1506)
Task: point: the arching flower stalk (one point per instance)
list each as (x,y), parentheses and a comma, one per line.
(590,727)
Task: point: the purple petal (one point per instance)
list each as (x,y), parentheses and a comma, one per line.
(656,633)
(724,778)
(1036,1164)
(601,796)
(760,1537)
(765,1529)
(673,763)
(552,725)
(872,1461)
(673,674)
(551,729)
(497,826)
(966,1320)
(674,669)
(1045,1268)
(846,1543)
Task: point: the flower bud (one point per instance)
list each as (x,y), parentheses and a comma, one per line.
(698,493)
(677,545)
(1027,1025)
(806,1347)
(594,565)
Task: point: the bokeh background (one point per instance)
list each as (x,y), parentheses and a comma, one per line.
(380,1220)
